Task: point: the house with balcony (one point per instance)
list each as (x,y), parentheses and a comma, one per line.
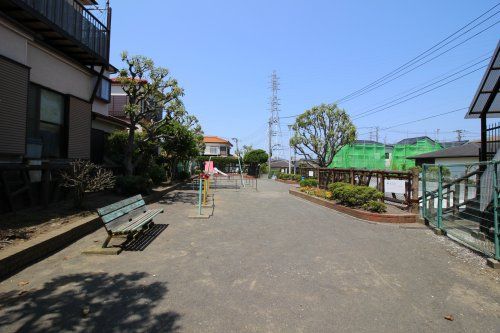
(216,146)
(55,87)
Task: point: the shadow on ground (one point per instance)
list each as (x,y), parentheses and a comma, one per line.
(145,238)
(116,303)
(183,197)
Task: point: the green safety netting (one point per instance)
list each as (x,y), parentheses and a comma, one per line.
(411,147)
(362,155)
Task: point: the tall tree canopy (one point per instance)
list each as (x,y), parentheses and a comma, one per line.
(321,132)
(153,100)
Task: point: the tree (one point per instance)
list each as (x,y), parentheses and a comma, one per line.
(254,158)
(257,156)
(181,140)
(153,99)
(247,149)
(84,177)
(321,132)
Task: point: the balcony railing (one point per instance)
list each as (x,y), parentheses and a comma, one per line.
(77,22)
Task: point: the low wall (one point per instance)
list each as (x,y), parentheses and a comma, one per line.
(360,214)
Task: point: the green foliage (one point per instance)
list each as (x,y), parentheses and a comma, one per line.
(375,206)
(263,168)
(157,173)
(321,132)
(257,156)
(183,175)
(116,146)
(219,162)
(354,196)
(308,182)
(289,176)
(131,185)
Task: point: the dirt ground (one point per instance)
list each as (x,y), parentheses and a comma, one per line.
(29,223)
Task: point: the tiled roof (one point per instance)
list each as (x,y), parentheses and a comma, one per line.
(470,149)
(215,139)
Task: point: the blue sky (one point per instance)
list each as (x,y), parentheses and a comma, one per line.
(223,53)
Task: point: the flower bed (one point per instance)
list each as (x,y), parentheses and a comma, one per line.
(359,201)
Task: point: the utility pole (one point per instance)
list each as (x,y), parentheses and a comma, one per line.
(376,133)
(459,134)
(239,160)
(437,134)
(274,119)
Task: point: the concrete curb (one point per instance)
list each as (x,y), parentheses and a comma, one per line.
(14,259)
(363,215)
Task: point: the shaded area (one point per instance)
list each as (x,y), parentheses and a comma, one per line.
(176,197)
(28,223)
(115,303)
(146,238)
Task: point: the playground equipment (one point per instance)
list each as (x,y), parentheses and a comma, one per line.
(203,195)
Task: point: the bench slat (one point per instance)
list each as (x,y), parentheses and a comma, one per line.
(137,222)
(122,211)
(117,205)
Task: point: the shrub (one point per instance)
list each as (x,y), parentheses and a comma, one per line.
(84,177)
(130,185)
(157,174)
(355,196)
(182,175)
(333,186)
(297,178)
(375,206)
(308,182)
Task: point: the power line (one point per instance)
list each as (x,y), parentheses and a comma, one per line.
(442,75)
(422,93)
(426,54)
(421,119)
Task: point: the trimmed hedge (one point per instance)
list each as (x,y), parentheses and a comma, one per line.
(289,176)
(308,183)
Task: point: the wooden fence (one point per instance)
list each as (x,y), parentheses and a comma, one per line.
(376,179)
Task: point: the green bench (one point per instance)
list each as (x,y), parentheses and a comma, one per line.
(127,218)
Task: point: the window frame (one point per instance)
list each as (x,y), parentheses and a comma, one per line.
(64,127)
(98,93)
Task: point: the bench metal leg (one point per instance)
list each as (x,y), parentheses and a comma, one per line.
(106,242)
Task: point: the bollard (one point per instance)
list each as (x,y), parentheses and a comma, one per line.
(199,195)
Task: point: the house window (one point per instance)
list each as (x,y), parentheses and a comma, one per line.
(214,151)
(104,90)
(47,121)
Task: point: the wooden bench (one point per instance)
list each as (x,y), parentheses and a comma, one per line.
(127,218)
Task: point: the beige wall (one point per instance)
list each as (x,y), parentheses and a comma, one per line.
(456,160)
(47,68)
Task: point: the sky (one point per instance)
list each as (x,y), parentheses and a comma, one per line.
(223,53)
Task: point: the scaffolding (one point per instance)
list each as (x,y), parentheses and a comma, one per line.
(362,154)
(411,147)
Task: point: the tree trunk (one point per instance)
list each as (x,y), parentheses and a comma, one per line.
(129,152)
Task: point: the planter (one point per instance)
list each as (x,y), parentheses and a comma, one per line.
(358,213)
(287,181)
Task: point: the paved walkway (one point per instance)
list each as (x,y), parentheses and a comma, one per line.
(265,262)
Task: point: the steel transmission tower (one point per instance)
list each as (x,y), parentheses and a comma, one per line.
(274,121)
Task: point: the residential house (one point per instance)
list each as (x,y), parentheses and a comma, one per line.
(216,146)
(54,60)
(454,155)
(280,165)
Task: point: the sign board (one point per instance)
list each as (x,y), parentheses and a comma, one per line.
(311,173)
(395,186)
(209,166)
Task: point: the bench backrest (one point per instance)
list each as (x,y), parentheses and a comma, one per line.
(120,208)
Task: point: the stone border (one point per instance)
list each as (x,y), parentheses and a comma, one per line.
(18,257)
(287,181)
(360,214)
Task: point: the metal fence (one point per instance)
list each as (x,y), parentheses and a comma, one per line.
(462,201)
(399,187)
